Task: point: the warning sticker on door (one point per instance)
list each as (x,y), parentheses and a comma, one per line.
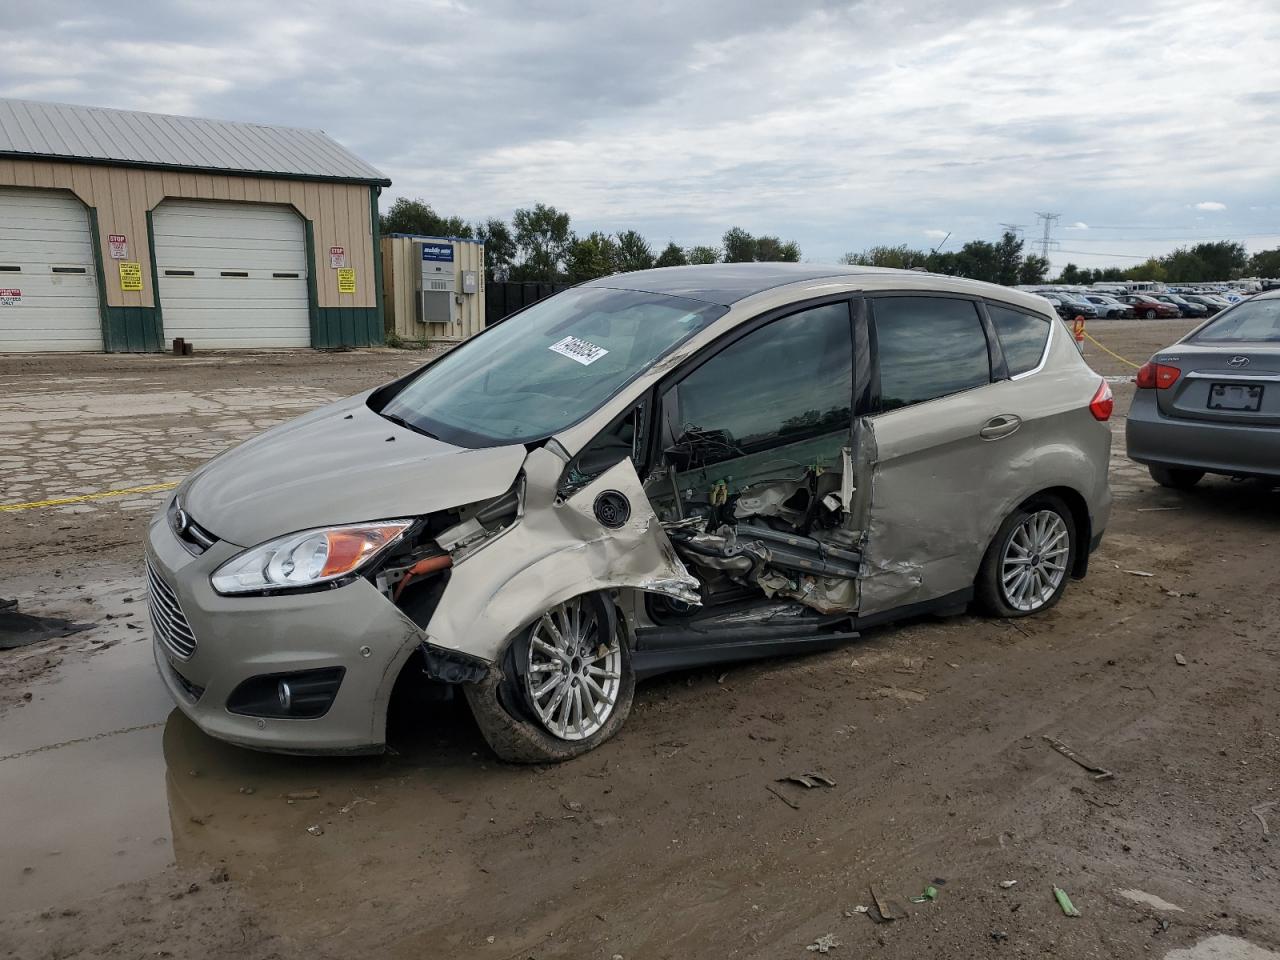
(584,352)
(10,298)
(130,275)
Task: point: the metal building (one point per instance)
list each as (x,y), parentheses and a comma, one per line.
(120,231)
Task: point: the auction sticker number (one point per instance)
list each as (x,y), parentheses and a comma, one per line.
(584,352)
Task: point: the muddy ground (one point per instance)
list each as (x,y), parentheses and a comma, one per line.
(125,832)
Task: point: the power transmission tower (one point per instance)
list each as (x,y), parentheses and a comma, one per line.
(1014,228)
(1047,240)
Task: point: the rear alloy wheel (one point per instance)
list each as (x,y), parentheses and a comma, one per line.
(1026,567)
(1175,478)
(1150,314)
(564,687)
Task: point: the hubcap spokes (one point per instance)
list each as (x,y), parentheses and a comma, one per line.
(574,671)
(1035,560)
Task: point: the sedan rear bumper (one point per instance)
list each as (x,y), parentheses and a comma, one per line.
(1234,449)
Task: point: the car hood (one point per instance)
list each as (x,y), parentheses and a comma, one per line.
(340,464)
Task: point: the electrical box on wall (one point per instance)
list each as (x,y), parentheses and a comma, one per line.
(434,287)
(436,282)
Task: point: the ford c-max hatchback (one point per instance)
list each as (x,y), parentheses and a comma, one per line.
(650,471)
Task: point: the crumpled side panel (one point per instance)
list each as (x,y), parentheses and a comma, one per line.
(556,551)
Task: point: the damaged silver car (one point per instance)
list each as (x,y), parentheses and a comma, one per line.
(651,471)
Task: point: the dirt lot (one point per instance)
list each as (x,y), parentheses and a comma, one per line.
(125,832)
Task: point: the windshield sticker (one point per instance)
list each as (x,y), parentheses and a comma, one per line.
(583,351)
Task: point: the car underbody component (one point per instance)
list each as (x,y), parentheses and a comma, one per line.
(450,666)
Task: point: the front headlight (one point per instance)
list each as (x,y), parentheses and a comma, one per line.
(307,558)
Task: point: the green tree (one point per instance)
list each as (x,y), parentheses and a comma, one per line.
(1265,263)
(1008,251)
(418,217)
(542,238)
(1184,266)
(499,247)
(1223,259)
(595,255)
(773,250)
(900,257)
(739,246)
(1034,269)
(633,252)
(672,256)
(703,254)
(1071,274)
(978,260)
(1151,269)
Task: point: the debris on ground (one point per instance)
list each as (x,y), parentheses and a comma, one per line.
(1065,903)
(347,808)
(1258,812)
(1179,659)
(1140,573)
(315,830)
(824,944)
(1006,884)
(808,780)
(302,795)
(999,935)
(573,806)
(1100,773)
(930,893)
(855,911)
(885,909)
(23,629)
(1150,899)
(781,796)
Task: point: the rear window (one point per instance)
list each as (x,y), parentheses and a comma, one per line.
(928,347)
(1253,320)
(1022,337)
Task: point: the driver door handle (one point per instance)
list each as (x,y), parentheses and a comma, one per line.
(1002,426)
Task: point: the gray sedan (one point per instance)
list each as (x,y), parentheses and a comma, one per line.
(1210,403)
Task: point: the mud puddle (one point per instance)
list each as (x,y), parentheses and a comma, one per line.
(106,783)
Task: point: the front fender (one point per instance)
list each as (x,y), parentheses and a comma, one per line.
(558,549)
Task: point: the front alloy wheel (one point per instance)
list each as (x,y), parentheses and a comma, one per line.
(573,670)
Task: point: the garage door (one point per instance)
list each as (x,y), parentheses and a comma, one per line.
(232,274)
(48,290)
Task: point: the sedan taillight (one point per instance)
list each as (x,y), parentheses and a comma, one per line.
(1102,403)
(1157,376)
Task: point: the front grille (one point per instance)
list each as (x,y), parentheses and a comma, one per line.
(167,620)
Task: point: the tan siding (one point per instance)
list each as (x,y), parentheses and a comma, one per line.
(122,196)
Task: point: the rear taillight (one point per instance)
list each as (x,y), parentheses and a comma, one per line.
(1157,376)
(1102,403)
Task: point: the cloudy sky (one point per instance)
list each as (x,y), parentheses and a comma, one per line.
(1145,124)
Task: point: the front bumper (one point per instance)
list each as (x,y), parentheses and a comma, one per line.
(237,638)
(1154,439)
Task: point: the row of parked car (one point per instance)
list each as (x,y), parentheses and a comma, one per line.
(1149,306)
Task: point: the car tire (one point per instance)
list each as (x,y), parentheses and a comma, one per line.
(1174,478)
(1029,538)
(1150,314)
(515,720)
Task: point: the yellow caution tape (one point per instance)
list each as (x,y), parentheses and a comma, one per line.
(1112,353)
(103,495)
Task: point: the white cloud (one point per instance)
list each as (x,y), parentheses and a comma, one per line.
(837,126)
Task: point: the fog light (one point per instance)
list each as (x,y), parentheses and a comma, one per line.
(297,695)
(285,696)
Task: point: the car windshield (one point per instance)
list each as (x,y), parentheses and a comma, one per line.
(546,368)
(1252,320)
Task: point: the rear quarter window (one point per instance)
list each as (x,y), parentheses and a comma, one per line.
(1022,337)
(928,347)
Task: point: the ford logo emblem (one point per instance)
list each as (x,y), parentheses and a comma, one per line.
(1239,361)
(180,521)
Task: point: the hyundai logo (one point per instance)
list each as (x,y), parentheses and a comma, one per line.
(1238,361)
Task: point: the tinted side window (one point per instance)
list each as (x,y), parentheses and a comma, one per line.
(928,347)
(790,380)
(1022,337)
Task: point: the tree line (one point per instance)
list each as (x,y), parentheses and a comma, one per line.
(1200,263)
(1000,262)
(539,243)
